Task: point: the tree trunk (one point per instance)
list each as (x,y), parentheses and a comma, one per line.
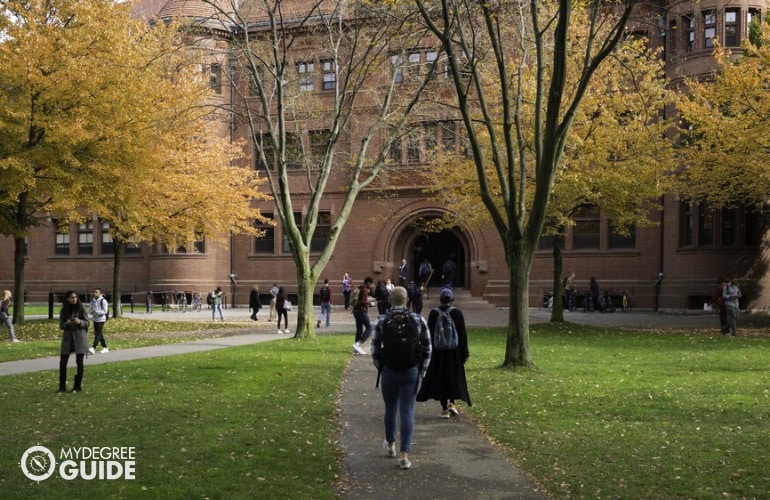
(117,263)
(305,284)
(517,345)
(557,311)
(18,279)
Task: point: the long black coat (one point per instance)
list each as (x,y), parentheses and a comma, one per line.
(446,373)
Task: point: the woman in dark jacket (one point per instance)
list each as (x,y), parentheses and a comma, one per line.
(73,321)
(445,380)
(280,309)
(254,302)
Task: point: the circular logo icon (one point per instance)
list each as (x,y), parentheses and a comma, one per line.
(38,463)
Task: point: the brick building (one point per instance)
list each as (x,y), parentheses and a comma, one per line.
(671,266)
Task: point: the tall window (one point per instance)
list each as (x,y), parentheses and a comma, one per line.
(689,22)
(751,16)
(448,135)
(413,147)
(306,76)
(293,150)
(329,75)
(709,28)
(398,68)
(107,245)
(585,234)
(731,27)
(199,243)
(729,227)
(215,78)
(322,230)
(86,238)
(396,151)
(705,225)
(62,246)
(319,141)
(414,65)
(265,244)
(686,226)
(619,241)
(266,147)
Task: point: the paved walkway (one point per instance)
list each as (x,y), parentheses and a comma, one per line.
(451,458)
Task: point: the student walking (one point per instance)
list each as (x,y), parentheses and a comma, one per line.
(281,310)
(360,304)
(325,297)
(73,321)
(254,303)
(98,310)
(5,315)
(401,352)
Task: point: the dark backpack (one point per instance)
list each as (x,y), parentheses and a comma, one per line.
(401,347)
(354,298)
(444,332)
(325,294)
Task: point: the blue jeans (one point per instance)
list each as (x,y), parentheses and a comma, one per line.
(326,308)
(217,307)
(399,393)
(363,325)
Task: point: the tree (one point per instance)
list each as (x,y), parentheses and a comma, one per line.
(369,92)
(616,158)
(726,130)
(101,114)
(512,114)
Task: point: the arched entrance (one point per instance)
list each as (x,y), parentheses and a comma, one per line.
(437,248)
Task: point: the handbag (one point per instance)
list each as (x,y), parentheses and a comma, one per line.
(287,306)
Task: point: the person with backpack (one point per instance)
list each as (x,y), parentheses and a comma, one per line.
(359,301)
(382,296)
(445,380)
(325,297)
(401,352)
(98,309)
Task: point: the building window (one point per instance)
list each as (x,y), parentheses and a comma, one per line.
(619,241)
(133,249)
(585,233)
(448,135)
(322,230)
(62,246)
(329,75)
(265,244)
(415,65)
(306,76)
(264,147)
(215,78)
(319,142)
(107,245)
(685,224)
(731,27)
(413,147)
(751,16)
(398,68)
(199,243)
(705,225)
(546,242)
(396,152)
(709,28)
(293,150)
(86,238)
(689,22)
(286,243)
(729,227)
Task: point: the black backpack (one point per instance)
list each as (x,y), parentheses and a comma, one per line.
(324,294)
(401,347)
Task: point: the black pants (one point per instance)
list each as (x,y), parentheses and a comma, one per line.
(63,371)
(99,334)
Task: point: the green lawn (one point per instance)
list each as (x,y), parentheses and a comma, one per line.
(606,414)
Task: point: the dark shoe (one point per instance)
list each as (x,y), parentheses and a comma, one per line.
(318,324)
(61,390)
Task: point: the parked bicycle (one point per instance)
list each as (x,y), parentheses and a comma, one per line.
(588,303)
(196,302)
(626,306)
(606,304)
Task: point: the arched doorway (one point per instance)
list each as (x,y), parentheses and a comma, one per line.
(437,248)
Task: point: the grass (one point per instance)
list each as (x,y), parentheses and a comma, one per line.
(606,414)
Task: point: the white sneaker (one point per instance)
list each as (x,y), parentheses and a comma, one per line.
(287,332)
(358,348)
(280,331)
(92,350)
(104,350)
(404,463)
(391,452)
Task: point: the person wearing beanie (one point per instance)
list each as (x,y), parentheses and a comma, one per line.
(401,361)
(445,380)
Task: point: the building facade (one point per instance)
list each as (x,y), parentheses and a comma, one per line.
(671,266)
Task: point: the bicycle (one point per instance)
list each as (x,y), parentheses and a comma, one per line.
(626,307)
(196,302)
(588,303)
(606,304)
(181,300)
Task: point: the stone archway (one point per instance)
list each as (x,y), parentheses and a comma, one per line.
(437,248)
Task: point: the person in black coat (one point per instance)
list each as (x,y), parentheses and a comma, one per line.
(254,303)
(445,380)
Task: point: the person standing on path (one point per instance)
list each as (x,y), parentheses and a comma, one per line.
(361,315)
(445,380)
(98,310)
(347,286)
(401,369)
(254,303)
(73,321)
(5,315)
(325,297)
(731,295)
(281,311)
(274,293)
(216,304)
(403,272)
